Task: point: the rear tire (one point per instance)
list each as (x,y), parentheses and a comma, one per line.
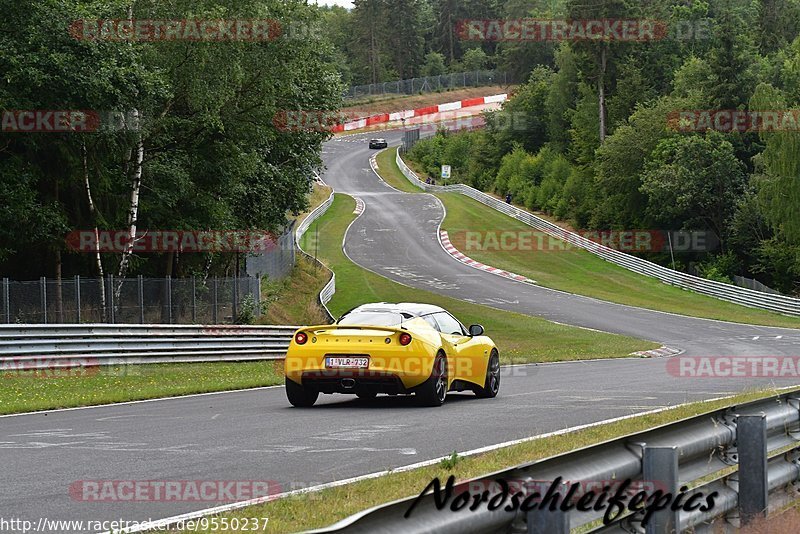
(433,391)
(299,396)
(491,385)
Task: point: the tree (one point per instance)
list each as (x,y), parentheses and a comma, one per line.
(778,21)
(524,117)
(620,161)
(599,55)
(779,187)
(694,182)
(205,153)
(434,64)
(474,59)
(407,23)
(561,98)
(369,25)
(733,57)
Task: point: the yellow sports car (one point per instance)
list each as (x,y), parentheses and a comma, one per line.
(397,349)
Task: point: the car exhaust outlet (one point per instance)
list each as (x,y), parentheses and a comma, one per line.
(348,383)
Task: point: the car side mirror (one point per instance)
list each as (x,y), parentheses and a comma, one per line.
(475,330)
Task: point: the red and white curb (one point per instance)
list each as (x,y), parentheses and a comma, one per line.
(444,239)
(360,206)
(661,352)
(419,112)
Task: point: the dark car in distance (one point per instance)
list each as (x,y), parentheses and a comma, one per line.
(378,143)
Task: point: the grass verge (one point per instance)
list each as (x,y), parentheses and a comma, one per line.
(293,300)
(521,338)
(570,269)
(319,509)
(26,391)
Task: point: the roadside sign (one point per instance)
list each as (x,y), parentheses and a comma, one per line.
(445,172)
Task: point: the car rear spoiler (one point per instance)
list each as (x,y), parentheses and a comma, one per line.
(318,329)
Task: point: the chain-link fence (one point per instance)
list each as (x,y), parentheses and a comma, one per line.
(410,138)
(130,300)
(150,300)
(429,84)
(752,283)
(276,262)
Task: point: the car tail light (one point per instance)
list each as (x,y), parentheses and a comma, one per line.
(405,338)
(300,338)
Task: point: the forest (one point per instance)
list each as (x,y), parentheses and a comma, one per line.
(192,146)
(592,138)
(595,136)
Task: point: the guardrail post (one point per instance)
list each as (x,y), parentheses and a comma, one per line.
(549,521)
(214,301)
(140,291)
(751,444)
(235,310)
(194,299)
(43,297)
(169,299)
(256,284)
(7,299)
(111,315)
(77,299)
(660,468)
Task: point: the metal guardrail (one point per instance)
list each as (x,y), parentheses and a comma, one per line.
(327,292)
(748,454)
(739,295)
(35,346)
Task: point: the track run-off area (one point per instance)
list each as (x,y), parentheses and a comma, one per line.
(257,435)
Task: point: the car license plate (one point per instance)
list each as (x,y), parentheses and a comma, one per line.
(346,362)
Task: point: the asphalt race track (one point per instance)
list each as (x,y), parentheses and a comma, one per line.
(256,435)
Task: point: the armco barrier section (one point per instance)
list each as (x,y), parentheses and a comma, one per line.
(739,295)
(748,454)
(36,346)
(327,292)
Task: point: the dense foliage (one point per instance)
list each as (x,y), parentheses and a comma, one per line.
(636,168)
(199,150)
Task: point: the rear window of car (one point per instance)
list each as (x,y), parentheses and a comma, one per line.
(376,318)
(448,324)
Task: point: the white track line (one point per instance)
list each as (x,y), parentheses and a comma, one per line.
(157,399)
(163,523)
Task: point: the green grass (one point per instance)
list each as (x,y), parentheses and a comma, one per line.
(26,391)
(572,269)
(293,300)
(319,509)
(520,338)
(390,172)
